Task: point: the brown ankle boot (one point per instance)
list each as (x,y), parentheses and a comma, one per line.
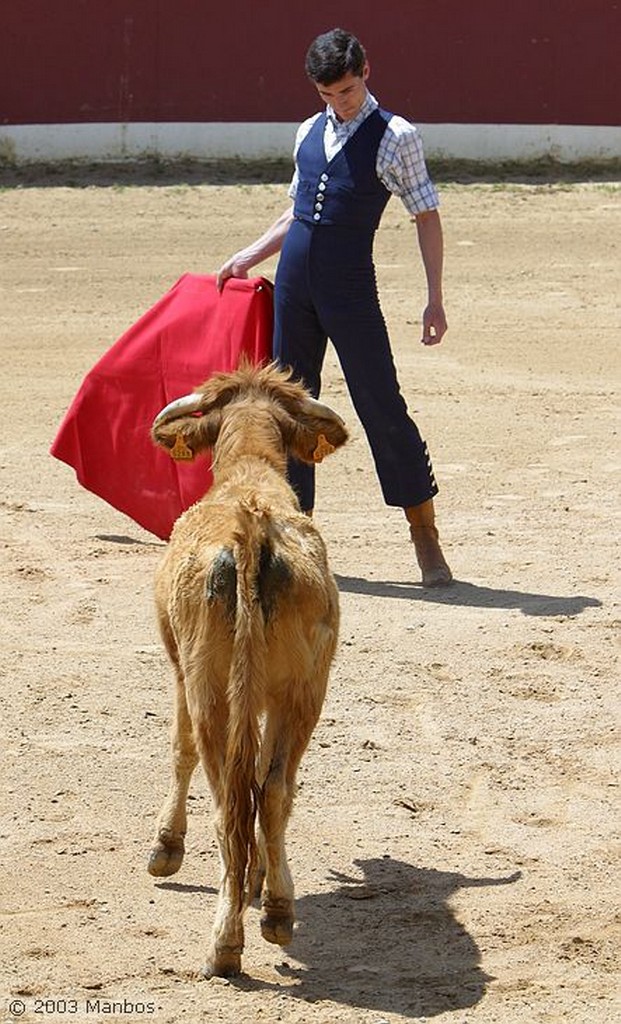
(433,565)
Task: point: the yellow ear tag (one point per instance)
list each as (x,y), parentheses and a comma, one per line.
(180,451)
(323,448)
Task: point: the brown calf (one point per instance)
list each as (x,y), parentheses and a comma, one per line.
(248,610)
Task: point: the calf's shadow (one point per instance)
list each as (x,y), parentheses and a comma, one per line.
(386,942)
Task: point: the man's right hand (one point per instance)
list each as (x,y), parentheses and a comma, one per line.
(232,268)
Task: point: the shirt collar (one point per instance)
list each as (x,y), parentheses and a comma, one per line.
(349,127)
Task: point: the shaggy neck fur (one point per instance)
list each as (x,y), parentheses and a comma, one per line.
(249,431)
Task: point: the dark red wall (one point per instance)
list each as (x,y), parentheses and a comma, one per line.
(483,61)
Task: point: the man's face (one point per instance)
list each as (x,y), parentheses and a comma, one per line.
(347,95)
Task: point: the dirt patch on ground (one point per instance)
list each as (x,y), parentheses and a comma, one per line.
(453,844)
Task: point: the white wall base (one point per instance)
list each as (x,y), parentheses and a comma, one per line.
(485,143)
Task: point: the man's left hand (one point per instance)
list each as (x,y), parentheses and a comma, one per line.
(434,324)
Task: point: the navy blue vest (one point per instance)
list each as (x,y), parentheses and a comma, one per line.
(345,190)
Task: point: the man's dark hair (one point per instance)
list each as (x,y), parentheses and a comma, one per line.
(333,55)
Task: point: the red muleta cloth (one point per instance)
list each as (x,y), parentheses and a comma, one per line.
(190,333)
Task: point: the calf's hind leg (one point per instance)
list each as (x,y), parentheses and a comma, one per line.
(227,934)
(286,739)
(167,853)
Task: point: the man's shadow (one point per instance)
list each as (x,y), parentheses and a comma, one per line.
(386,941)
(469,595)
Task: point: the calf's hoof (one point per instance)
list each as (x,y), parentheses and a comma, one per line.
(277,922)
(223,963)
(166,858)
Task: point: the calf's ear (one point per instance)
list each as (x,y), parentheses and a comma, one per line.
(311,437)
(188,436)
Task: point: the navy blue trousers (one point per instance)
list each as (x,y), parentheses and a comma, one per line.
(326,288)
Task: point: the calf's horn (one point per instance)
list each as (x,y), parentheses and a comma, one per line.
(180,407)
(311,405)
(188,404)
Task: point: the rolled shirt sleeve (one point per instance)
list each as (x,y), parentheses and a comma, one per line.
(401,167)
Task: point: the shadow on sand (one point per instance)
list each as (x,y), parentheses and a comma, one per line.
(397,942)
(386,941)
(469,595)
(117,538)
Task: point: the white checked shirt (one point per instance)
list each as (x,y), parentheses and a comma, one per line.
(400,161)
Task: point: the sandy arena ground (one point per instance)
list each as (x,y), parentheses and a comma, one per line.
(454,839)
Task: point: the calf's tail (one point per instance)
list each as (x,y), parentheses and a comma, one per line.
(246,688)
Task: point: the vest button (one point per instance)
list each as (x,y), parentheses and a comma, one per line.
(324,177)
(321,186)
(318,206)
(316,216)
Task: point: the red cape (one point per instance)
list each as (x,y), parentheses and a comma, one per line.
(190,333)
